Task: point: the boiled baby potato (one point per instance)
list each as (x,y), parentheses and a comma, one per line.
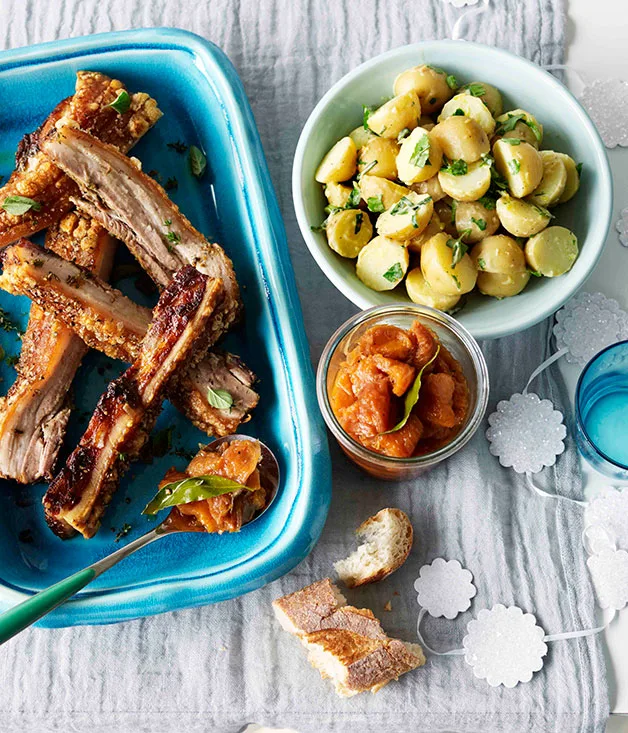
(502,285)
(440,272)
(419,291)
(408,218)
(476,219)
(399,113)
(520,218)
(434,226)
(445,210)
(552,252)
(380,193)
(461,138)
(520,164)
(573,178)
(420,157)
(432,187)
(487,93)
(348,231)
(340,162)
(466,186)
(498,253)
(337,194)
(426,122)
(520,125)
(433,86)
(379,158)
(360,136)
(382,264)
(553,182)
(469,106)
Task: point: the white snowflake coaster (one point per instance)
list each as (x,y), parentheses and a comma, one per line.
(587,324)
(609,571)
(622,227)
(606,101)
(444,588)
(504,646)
(526,433)
(608,513)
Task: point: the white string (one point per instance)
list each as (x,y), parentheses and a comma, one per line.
(579,634)
(451,653)
(543,366)
(455,31)
(547,495)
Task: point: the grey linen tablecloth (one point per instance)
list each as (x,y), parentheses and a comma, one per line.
(217,668)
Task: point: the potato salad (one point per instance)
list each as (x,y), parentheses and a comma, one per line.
(442,191)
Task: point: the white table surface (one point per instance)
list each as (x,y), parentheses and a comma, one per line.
(597,48)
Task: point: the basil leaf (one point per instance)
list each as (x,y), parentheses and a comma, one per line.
(121,103)
(420,156)
(394,273)
(375,204)
(198,161)
(476,90)
(452,82)
(412,396)
(219,398)
(187,490)
(17,205)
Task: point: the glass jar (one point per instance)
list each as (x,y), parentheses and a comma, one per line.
(462,346)
(602,411)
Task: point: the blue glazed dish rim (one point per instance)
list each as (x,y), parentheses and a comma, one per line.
(309,509)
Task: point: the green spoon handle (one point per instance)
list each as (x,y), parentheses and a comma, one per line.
(26,613)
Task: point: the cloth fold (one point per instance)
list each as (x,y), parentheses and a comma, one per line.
(217,668)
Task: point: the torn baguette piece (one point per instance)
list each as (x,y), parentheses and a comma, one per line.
(387,543)
(346,644)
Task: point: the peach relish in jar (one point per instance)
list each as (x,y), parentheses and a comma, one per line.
(400,392)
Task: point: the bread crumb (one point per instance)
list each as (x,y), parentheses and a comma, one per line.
(388,606)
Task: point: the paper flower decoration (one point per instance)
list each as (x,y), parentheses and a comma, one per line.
(444,588)
(587,324)
(609,571)
(606,101)
(526,433)
(608,512)
(622,227)
(504,646)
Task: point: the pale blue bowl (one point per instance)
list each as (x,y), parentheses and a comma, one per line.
(523,84)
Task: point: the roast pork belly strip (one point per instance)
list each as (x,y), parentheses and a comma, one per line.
(108,321)
(38,178)
(126,413)
(35,411)
(137,210)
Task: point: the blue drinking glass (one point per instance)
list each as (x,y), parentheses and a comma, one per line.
(602,411)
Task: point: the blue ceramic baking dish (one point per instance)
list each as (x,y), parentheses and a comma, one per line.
(204,104)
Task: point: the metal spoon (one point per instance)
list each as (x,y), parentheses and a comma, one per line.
(26,613)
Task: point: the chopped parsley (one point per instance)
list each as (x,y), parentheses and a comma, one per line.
(366,113)
(534,273)
(420,155)
(6,324)
(173,237)
(509,124)
(407,206)
(512,140)
(514,165)
(403,134)
(18,205)
(121,103)
(126,528)
(458,113)
(456,168)
(452,82)
(435,68)
(458,247)
(487,202)
(579,169)
(543,211)
(479,223)
(481,263)
(198,161)
(394,274)
(476,90)
(375,204)
(498,182)
(358,222)
(354,197)
(455,279)
(366,169)
(178,147)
